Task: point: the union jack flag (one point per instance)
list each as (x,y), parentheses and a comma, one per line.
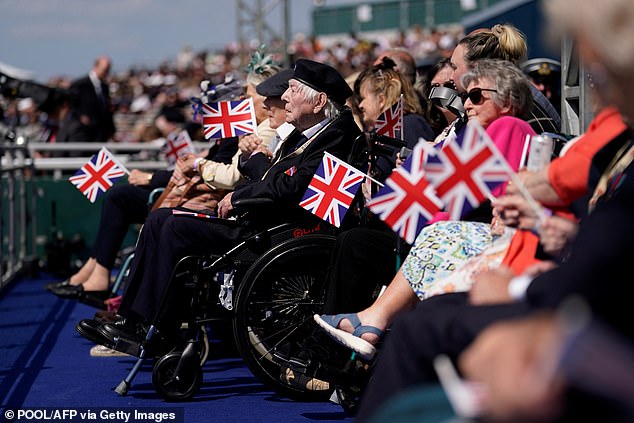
(465,170)
(332,189)
(224,119)
(177,144)
(407,201)
(390,122)
(98,175)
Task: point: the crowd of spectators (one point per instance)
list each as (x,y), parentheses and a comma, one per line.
(137,94)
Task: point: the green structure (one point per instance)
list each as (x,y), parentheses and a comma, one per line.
(392,15)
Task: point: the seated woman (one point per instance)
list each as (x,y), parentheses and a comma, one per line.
(498,94)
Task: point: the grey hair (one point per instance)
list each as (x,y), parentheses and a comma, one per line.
(512,87)
(331,110)
(264,73)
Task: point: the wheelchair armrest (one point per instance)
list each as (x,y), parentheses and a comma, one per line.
(246,206)
(252,203)
(248,203)
(154,195)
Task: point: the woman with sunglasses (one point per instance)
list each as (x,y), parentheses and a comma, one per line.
(498,94)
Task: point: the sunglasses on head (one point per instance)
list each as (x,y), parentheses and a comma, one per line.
(475,95)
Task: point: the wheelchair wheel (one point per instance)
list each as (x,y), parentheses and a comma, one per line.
(276,301)
(167,386)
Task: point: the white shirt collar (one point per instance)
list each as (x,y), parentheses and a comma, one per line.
(315,128)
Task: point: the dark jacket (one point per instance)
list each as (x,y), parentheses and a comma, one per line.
(286,181)
(84,101)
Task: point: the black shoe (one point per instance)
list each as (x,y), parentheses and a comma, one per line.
(130,337)
(76,292)
(89,329)
(124,327)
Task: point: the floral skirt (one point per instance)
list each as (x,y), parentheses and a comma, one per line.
(440,249)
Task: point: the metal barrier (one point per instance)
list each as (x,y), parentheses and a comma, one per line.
(17,221)
(142,156)
(32,185)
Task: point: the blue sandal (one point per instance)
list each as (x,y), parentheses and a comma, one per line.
(352,340)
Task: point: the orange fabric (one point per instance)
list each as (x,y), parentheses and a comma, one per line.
(521,251)
(569,174)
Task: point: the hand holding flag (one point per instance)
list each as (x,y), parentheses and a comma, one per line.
(98,175)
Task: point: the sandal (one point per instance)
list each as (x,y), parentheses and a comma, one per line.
(352,340)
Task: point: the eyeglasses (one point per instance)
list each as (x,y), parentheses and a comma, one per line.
(475,95)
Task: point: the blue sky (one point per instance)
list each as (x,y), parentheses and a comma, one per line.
(62,37)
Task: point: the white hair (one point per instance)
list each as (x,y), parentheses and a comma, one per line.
(331,109)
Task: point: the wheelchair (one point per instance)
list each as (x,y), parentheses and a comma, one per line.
(268,287)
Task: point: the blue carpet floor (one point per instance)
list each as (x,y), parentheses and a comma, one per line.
(45,363)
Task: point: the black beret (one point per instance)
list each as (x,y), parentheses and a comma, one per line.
(322,78)
(274,86)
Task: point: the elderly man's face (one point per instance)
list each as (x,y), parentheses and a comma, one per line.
(299,111)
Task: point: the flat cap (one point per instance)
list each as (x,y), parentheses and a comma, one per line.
(275,85)
(323,78)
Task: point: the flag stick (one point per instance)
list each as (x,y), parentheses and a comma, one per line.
(514,178)
(117,161)
(539,211)
(525,151)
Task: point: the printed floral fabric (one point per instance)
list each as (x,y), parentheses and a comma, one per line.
(442,248)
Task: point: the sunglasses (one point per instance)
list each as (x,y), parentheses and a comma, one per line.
(475,95)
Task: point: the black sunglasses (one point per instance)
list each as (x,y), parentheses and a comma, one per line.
(475,95)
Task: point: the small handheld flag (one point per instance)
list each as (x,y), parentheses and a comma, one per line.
(407,201)
(177,144)
(466,170)
(332,189)
(390,122)
(98,175)
(224,119)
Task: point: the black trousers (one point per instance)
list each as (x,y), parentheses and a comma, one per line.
(164,240)
(362,261)
(444,324)
(123,205)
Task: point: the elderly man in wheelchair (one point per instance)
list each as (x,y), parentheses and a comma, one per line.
(164,289)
